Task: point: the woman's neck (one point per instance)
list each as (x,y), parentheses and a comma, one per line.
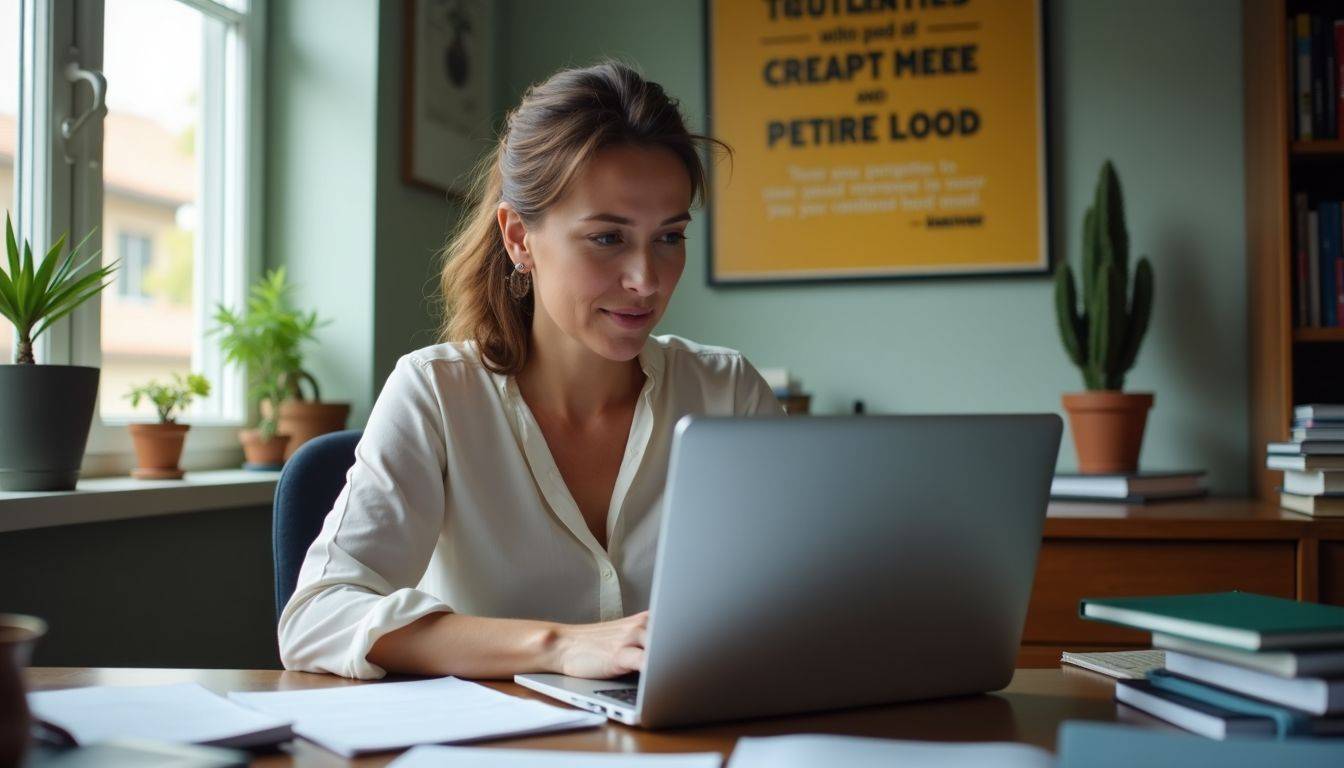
(567,380)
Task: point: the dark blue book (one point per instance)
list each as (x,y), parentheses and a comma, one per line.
(1328,222)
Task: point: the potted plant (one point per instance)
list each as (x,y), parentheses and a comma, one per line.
(1103,341)
(158,447)
(267,339)
(45,410)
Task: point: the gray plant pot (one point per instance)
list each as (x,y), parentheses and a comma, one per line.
(45,412)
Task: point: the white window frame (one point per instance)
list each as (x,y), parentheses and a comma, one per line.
(55,197)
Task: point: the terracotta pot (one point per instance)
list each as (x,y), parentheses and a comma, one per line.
(158,449)
(18,634)
(303,420)
(1107,429)
(262,454)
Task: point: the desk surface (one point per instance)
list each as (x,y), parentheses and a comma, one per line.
(1029,710)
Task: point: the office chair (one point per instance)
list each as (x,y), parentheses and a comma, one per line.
(308,486)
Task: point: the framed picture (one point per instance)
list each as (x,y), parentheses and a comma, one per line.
(877,140)
(449,78)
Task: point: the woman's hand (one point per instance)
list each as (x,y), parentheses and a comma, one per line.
(600,651)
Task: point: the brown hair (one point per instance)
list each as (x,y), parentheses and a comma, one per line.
(559,125)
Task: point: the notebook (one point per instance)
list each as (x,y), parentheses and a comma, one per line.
(1125,665)
(1234,619)
(359,719)
(185,713)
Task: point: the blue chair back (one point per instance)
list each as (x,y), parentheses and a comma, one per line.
(308,486)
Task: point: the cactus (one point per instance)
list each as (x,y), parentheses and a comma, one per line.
(1104,340)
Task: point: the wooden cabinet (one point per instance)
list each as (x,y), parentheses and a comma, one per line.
(1210,545)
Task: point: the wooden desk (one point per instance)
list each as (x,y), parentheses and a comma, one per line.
(1029,710)
(1206,545)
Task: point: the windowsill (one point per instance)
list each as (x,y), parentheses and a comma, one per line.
(121,498)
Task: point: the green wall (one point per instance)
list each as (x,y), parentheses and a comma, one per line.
(320,161)
(1153,84)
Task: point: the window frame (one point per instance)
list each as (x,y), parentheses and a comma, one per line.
(53,197)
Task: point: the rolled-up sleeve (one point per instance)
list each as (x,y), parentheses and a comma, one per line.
(358,580)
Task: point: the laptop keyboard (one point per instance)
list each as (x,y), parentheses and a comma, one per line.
(625,695)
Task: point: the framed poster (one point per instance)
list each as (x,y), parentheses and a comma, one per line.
(448,85)
(877,139)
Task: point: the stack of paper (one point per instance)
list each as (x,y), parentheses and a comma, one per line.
(476,757)
(375,718)
(179,714)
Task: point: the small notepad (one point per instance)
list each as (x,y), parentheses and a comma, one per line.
(378,717)
(181,714)
(1125,665)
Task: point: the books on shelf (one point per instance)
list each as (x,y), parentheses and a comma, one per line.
(1133,488)
(1236,663)
(1314,76)
(1319,254)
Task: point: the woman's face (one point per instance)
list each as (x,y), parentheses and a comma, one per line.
(605,258)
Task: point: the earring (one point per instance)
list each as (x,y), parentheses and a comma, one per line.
(520,282)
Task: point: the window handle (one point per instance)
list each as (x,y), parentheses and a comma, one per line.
(73,74)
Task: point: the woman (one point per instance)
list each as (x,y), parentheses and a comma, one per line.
(503,510)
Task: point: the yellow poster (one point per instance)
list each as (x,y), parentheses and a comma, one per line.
(877,138)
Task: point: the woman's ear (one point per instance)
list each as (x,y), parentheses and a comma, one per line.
(514,233)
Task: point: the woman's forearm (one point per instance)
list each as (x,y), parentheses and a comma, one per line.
(469,646)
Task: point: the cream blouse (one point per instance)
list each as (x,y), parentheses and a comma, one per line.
(455,504)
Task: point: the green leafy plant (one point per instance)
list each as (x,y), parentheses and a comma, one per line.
(1104,340)
(265,338)
(33,296)
(172,397)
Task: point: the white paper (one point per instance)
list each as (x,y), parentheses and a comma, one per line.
(385,716)
(854,752)
(181,714)
(479,757)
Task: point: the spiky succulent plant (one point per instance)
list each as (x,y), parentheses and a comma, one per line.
(1104,340)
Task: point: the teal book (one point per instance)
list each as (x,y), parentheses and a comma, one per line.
(1105,745)
(1234,619)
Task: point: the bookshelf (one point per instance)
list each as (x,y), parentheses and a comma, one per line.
(1288,365)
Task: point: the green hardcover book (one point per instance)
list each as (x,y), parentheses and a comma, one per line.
(1234,619)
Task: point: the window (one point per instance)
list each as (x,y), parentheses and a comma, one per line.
(135,252)
(167,176)
(9,111)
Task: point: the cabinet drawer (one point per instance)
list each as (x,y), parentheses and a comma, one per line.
(1070,570)
(1332,572)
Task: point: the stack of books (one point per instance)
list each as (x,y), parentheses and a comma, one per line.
(1312,462)
(1237,664)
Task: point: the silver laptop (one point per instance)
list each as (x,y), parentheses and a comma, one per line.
(815,563)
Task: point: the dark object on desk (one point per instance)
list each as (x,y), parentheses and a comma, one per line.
(135,754)
(1135,488)
(18,635)
(796,404)
(305,493)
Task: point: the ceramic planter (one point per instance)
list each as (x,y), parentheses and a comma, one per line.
(45,413)
(263,454)
(1107,428)
(158,449)
(303,420)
